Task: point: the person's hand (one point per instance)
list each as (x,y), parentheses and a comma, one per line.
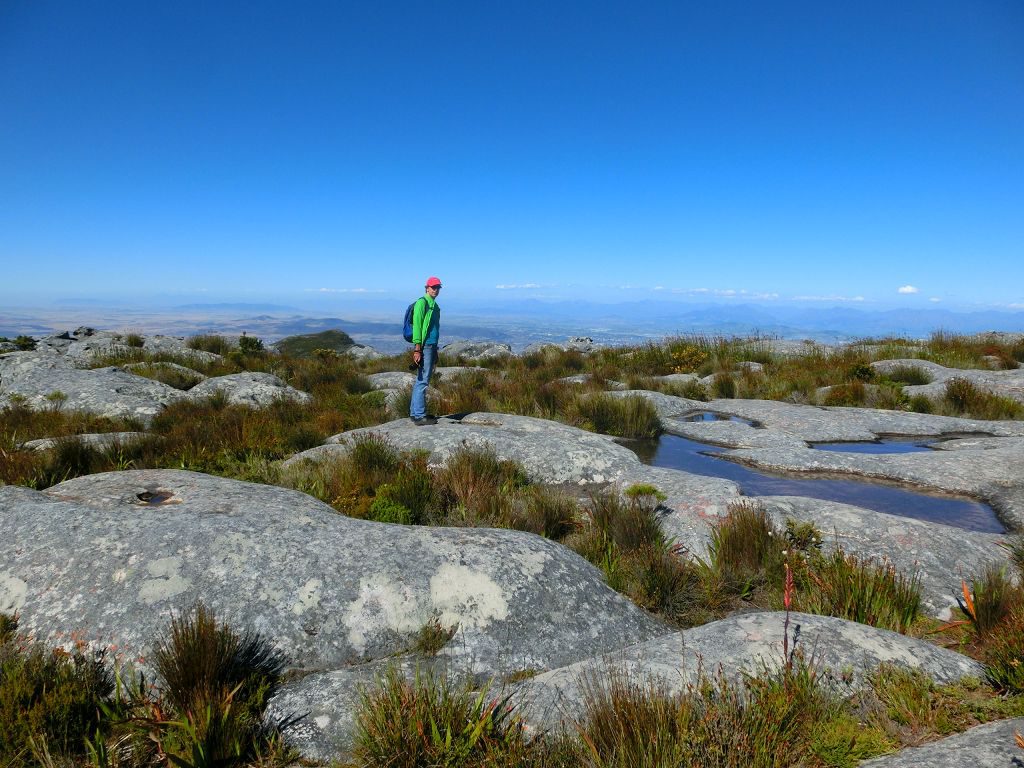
(417,356)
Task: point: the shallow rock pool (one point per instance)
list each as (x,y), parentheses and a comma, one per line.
(675,452)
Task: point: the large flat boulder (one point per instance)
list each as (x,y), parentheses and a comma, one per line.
(250,388)
(550,452)
(940,555)
(843,652)
(110,557)
(111,392)
(992,745)
(1008,383)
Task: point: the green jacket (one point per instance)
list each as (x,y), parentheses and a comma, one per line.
(426,317)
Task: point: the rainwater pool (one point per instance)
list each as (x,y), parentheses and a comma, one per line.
(675,452)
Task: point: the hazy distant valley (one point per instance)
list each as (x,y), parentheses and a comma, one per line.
(516,323)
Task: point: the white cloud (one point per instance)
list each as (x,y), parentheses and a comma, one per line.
(934,299)
(727,293)
(517,287)
(908,289)
(828,298)
(343,290)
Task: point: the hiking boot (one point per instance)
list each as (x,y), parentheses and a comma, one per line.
(424,421)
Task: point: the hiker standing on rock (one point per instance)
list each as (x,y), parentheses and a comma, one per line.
(426,326)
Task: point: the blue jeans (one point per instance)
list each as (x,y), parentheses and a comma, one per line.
(418,407)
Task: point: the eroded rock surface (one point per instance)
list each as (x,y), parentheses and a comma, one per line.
(991,745)
(111,392)
(476,350)
(112,556)
(1006,383)
(251,388)
(842,651)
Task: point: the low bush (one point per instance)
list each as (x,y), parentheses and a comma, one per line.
(724,386)
(219,682)
(632,416)
(1004,653)
(989,599)
(766,721)
(433,721)
(965,398)
(218,345)
(861,590)
(909,374)
(852,393)
(746,550)
(49,699)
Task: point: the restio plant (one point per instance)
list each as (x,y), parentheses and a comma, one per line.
(76,709)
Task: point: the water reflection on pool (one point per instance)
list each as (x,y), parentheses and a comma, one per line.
(883,445)
(676,452)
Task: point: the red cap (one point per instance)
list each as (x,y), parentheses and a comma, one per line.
(432,281)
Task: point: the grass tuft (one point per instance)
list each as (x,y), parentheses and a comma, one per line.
(432,721)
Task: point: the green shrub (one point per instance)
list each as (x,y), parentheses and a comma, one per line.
(432,721)
(724,386)
(861,590)
(632,416)
(250,345)
(546,512)
(991,598)
(963,397)
(218,345)
(803,536)
(433,636)
(907,695)
(765,722)
(921,404)
(909,374)
(412,489)
(632,525)
(860,371)
(179,378)
(476,480)
(644,490)
(746,549)
(49,699)
(205,666)
(852,393)
(24,343)
(686,356)
(134,340)
(1004,653)
(384,510)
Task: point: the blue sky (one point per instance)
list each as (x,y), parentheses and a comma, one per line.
(797,152)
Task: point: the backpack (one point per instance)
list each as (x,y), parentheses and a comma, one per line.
(407,322)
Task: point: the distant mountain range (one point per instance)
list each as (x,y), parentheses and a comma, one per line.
(520,322)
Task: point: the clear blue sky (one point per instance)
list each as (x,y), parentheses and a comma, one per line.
(871,153)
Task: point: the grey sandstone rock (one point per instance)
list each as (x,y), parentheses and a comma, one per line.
(940,555)
(111,392)
(363,352)
(586,378)
(1006,383)
(391,379)
(251,388)
(92,556)
(550,452)
(100,440)
(842,651)
(476,350)
(172,367)
(991,745)
(177,345)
